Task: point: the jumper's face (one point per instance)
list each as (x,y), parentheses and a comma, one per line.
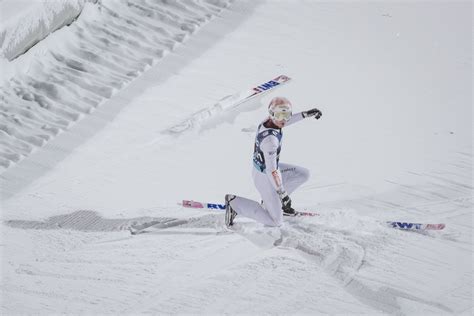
(280,124)
(280,111)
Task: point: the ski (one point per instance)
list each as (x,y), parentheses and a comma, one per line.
(221,207)
(195,204)
(301,213)
(264,87)
(393,224)
(415,226)
(237,99)
(304,213)
(227,103)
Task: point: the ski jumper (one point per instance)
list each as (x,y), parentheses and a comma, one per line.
(270,177)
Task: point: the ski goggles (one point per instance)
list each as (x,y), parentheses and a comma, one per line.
(281,116)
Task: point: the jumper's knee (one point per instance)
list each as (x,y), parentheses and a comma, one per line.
(304,173)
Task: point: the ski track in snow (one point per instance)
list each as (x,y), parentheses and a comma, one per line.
(339,249)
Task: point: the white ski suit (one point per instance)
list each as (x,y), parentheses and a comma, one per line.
(270,177)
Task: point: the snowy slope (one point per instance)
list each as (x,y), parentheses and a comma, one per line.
(394,143)
(74,70)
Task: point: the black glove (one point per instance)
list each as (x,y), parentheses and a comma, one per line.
(313,112)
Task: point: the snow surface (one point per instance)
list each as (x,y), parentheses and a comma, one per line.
(23,23)
(394,83)
(75,69)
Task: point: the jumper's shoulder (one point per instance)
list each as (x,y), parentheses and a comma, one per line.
(270,142)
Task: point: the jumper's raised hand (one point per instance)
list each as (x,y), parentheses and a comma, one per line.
(313,112)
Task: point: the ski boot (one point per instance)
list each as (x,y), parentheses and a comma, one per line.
(230,214)
(289,211)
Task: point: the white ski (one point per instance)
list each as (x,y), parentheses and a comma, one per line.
(226,103)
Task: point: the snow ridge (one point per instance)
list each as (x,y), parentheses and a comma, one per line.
(75,69)
(33,23)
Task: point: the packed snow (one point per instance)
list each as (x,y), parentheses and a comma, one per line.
(111,121)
